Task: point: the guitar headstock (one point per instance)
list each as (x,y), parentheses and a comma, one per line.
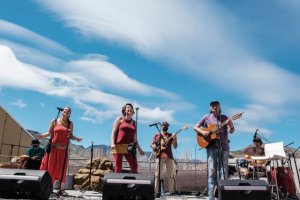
(237,115)
(183,128)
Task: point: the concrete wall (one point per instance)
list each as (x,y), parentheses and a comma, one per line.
(14,139)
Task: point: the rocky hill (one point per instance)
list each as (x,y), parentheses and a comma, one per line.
(80,152)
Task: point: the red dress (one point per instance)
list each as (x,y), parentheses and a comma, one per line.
(54,162)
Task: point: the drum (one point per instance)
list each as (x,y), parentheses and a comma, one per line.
(285,180)
(243,167)
(247,167)
(243,163)
(259,172)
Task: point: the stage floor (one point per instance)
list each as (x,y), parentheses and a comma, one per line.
(74,194)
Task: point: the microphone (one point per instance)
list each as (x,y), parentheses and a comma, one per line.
(255,134)
(137,108)
(154,124)
(60,109)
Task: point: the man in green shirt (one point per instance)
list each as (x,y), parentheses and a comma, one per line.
(36,153)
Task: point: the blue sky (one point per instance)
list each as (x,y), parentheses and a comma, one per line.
(169,58)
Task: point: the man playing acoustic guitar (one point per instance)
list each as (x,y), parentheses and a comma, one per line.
(218,148)
(165,153)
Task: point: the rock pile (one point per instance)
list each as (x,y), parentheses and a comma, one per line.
(100,166)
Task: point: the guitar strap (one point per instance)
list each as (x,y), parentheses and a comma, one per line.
(164,139)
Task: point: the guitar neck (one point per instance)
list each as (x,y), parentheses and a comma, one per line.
(169,138)
(222,124)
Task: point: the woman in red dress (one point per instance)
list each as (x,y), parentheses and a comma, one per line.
(124,134)
(61,130)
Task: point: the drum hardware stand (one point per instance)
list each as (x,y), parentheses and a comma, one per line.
(254,170)
(89,187)
(238,168)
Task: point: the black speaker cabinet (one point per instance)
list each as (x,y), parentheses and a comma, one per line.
(243,189)
(125,186)
(20,183)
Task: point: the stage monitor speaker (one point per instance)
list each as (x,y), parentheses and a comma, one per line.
(243,189)
(127,185)
(20,183)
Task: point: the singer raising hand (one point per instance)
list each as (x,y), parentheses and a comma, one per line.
(124,135)
(60,131)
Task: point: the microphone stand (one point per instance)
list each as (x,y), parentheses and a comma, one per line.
(50,139)
(89,187)
(159,160)
(65,161)
(262,137)
(220,153)
(136,136)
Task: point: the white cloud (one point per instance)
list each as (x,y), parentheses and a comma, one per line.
(74,81)
(201,36)
(19,34)
(20,103)
(31,55)
(100,73)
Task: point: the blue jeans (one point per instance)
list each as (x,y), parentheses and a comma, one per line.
(215,169)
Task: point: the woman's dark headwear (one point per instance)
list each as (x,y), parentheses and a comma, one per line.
(124,107)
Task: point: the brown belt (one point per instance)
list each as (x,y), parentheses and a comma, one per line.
(58,146)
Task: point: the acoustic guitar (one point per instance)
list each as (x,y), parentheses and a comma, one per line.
(213,129)
(156,151)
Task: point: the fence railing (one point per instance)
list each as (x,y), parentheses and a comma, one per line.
(190,176)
